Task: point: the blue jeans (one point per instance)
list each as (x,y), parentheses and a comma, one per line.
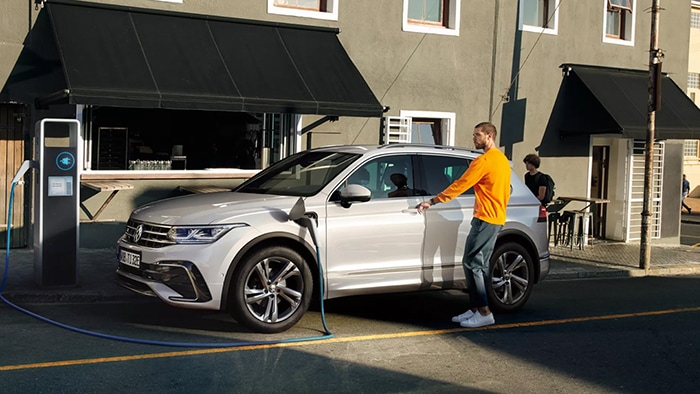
(477,253)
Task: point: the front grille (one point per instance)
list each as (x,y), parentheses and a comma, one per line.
(152,236)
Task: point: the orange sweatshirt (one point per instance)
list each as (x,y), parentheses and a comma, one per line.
(489,174)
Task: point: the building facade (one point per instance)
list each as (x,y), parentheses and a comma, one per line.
(435,68)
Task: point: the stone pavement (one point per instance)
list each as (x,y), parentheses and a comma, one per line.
(602,259)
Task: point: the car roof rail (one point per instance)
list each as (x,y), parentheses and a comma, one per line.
(429,146)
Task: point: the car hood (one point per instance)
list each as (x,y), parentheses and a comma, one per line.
(215,208)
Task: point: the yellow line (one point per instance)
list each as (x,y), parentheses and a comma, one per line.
(339,340)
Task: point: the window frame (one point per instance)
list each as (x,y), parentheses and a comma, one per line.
(690,146)
(330,13)
(627,22)
(451,20)
(547,5)
(446,119)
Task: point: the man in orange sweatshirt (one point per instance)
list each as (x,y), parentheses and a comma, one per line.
(489,174)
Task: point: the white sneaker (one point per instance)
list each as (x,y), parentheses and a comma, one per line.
(464,316)
(478,320)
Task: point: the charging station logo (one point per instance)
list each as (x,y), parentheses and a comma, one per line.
(65,161)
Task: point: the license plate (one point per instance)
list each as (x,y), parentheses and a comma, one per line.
(129,258)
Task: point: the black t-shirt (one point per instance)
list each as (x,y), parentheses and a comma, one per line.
(533,182)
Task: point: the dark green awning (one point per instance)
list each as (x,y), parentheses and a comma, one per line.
(602,100)
(132,57)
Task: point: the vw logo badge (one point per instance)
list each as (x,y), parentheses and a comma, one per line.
(137,233)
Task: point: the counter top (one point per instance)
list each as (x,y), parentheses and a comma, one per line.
(216,173)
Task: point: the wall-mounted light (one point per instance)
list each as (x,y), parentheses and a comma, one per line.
(38,4)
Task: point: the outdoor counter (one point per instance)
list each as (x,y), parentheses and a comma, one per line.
(108,197)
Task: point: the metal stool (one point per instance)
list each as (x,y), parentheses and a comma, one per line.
(575,230)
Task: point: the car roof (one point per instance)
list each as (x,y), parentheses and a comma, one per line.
(413,148)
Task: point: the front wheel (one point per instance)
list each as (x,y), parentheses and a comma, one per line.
(512,279)
(271,290)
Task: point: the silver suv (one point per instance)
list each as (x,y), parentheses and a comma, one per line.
(241,251)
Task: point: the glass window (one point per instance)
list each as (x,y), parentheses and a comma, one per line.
(539,14)
(441,171)
(619,23)
(432,16)
(314,5)
(385,177)
(426,131)
(695,20)
(693,81)
(302,174)
(690,148)
(427,11)
(317,9)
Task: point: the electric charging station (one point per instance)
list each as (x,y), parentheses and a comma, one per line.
(57,203)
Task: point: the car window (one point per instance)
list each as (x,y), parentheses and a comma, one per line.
(440,171)
(302,174)
(385,177)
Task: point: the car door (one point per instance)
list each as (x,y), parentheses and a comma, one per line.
(376,246)
(447,224)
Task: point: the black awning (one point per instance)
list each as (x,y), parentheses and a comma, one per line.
(133,57)
(601,100)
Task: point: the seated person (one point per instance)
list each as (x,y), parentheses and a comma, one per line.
(401,183)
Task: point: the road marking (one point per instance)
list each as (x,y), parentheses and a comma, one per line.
(358,338)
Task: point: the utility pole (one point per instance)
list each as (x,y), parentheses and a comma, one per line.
(653,104)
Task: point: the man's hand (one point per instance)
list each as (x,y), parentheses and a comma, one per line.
(424,205)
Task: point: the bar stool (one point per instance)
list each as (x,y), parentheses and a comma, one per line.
(576,233)
(554,219)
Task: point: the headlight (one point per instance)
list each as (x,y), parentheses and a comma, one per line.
(199,234)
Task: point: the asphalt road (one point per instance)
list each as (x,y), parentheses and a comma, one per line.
(618,335)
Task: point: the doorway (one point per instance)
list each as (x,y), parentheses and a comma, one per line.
(599,187)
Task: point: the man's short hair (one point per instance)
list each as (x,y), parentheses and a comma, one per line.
(532,159)
(488,128)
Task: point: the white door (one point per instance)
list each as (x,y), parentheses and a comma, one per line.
(447,224)
(376,244)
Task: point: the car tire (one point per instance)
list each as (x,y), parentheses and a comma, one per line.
(271,290)
(512,279)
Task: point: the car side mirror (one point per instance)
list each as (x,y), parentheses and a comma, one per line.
(354,193)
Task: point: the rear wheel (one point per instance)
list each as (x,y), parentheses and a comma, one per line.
(512,277)
(271,290)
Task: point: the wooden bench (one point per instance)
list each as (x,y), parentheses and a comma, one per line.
(103,186)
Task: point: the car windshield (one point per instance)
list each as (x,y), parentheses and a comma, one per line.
(303,174)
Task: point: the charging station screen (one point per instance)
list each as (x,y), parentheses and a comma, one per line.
(60,186)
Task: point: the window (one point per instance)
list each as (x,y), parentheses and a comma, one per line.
(432,16)
(441,171)
(619,21)
(693,81)
(540,16)
(318,9)
(420,127)
(690,148)
(385,177)
(695,20)
(426,131)
(428,12)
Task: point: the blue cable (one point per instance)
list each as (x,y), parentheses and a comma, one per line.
(327,333)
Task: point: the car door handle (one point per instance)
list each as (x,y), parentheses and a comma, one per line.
(410,210)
